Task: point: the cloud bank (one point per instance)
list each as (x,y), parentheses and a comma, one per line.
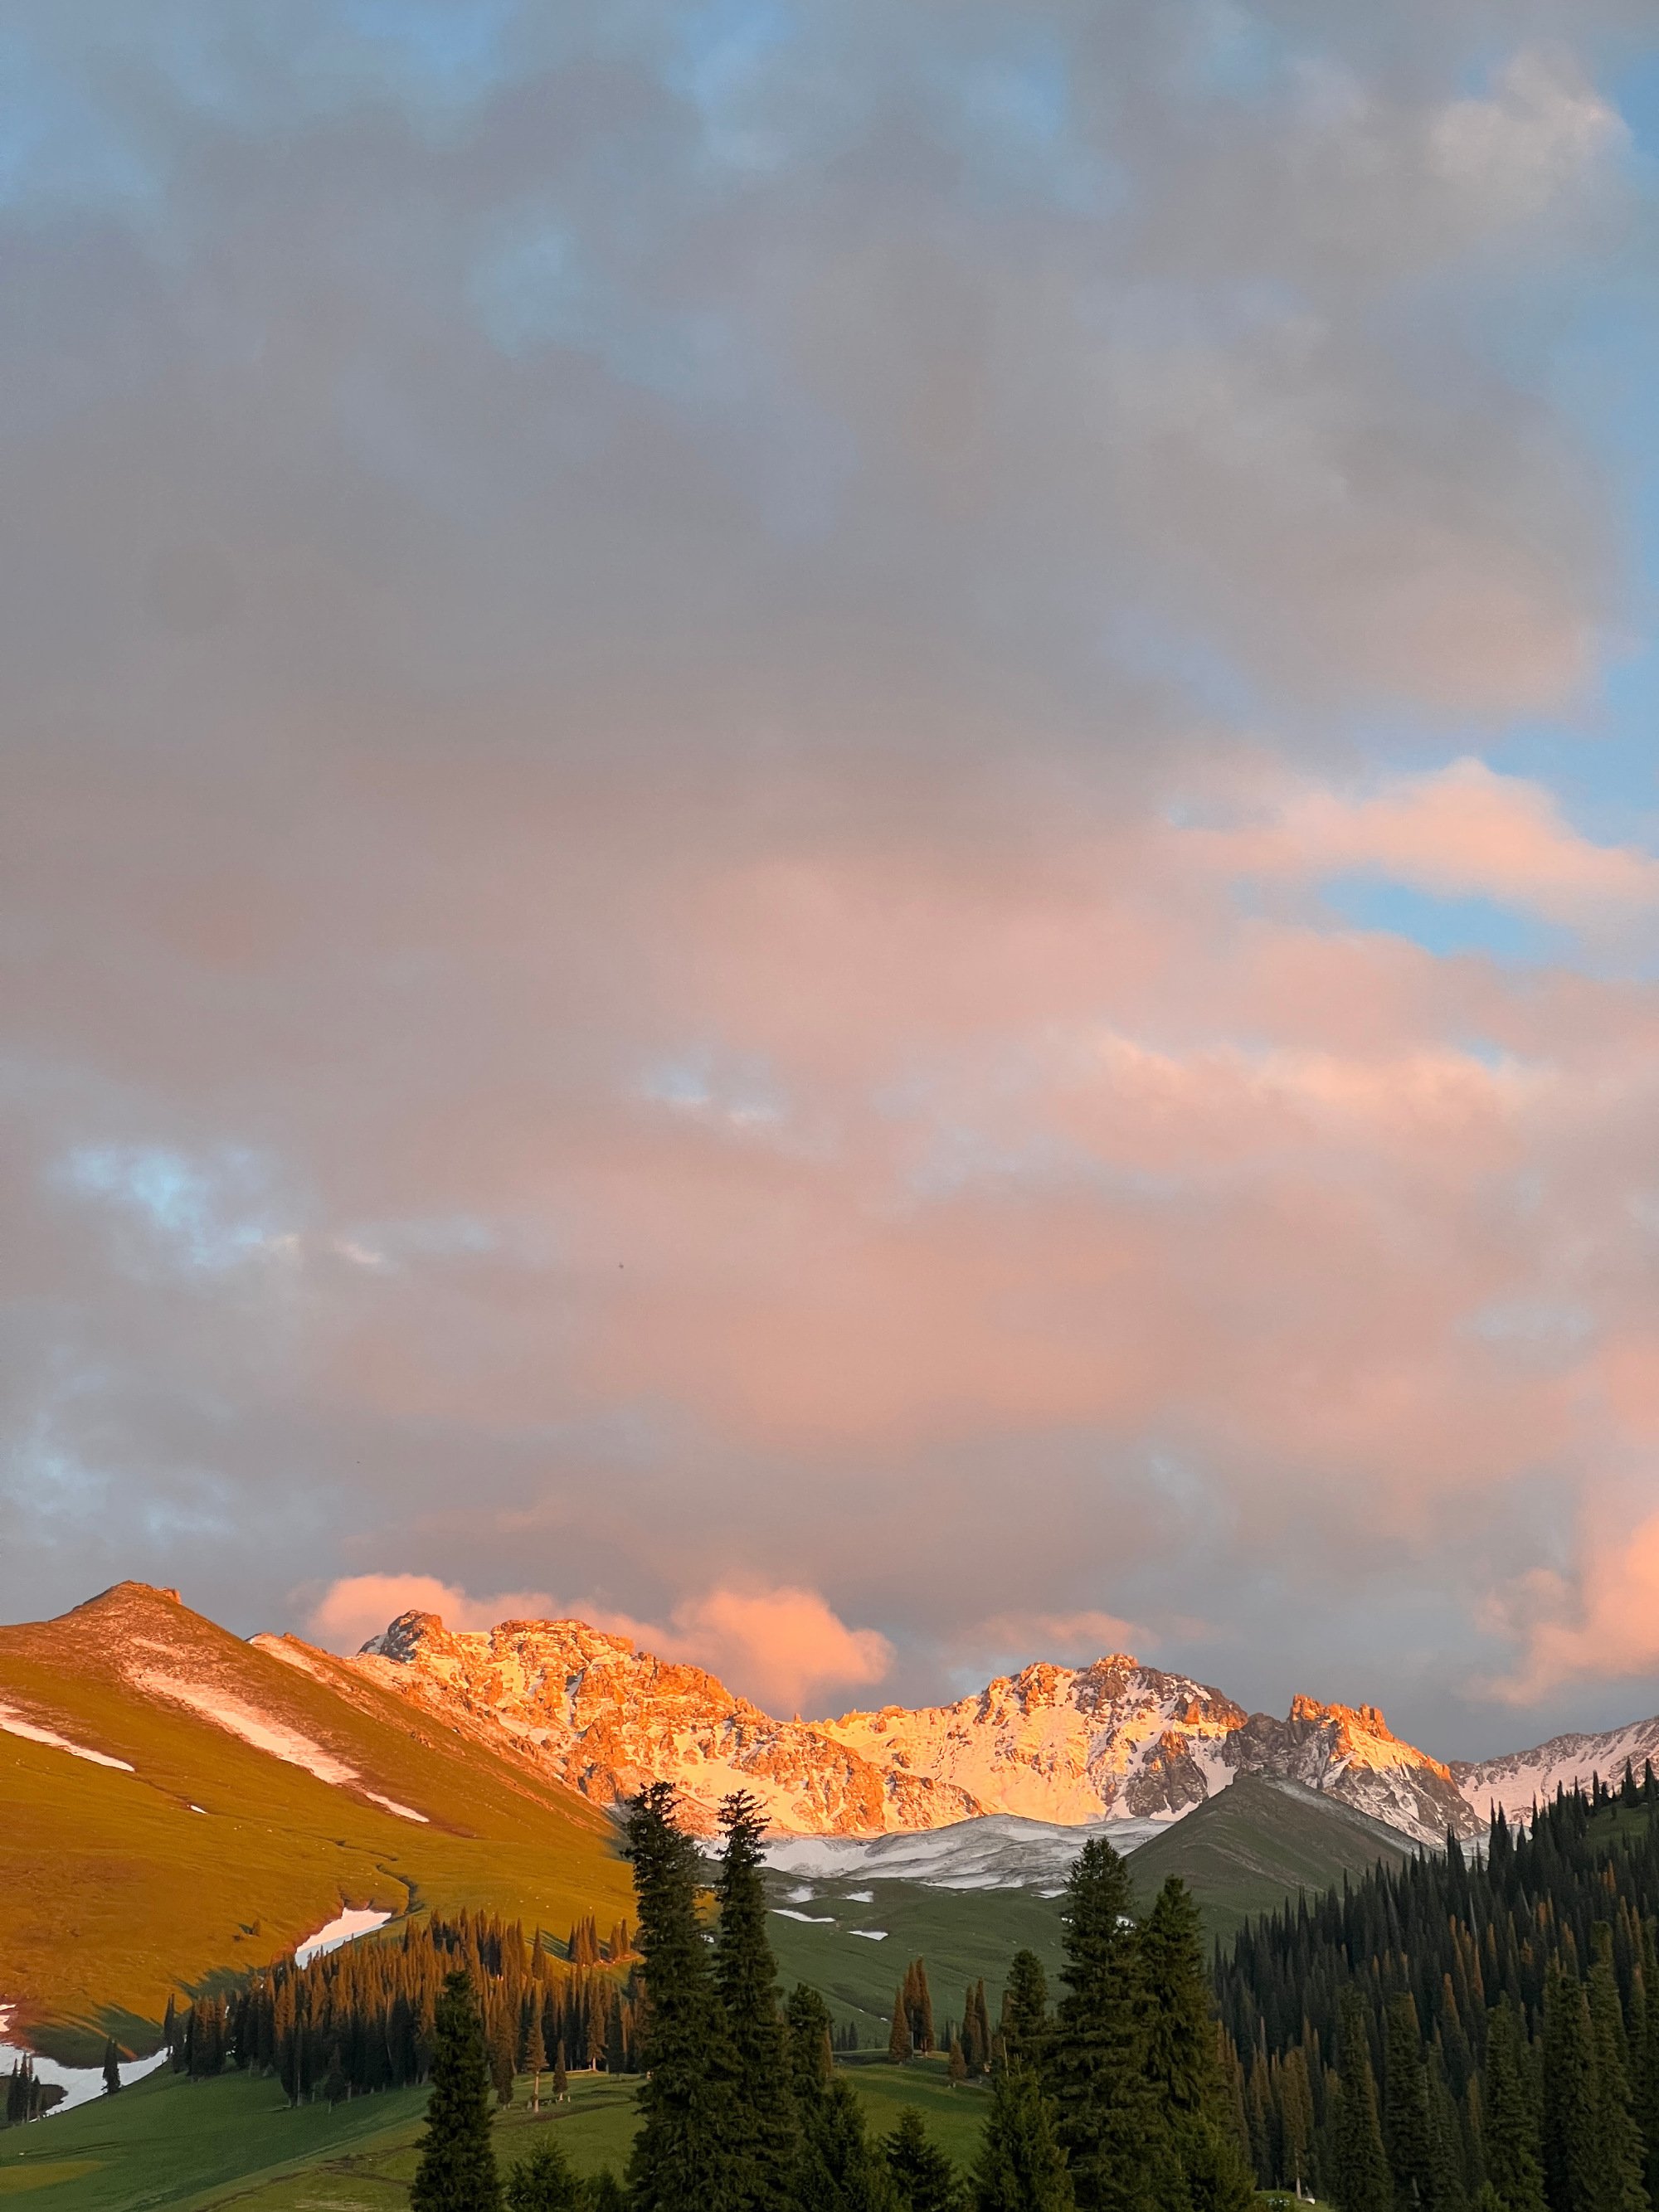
(795,833)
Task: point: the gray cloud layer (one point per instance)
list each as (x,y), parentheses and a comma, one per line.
(597,605)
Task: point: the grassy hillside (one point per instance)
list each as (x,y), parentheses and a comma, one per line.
(191,2145)
(212,1856)
(1248,1848)
(962,1934)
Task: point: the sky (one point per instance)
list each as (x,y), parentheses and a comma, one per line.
(831,830)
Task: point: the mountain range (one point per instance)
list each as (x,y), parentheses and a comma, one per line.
(180,1802)
(1115,1740)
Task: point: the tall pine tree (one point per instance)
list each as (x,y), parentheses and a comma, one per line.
(1358,2179)
(1025,2007)
(840,2170)
(679,2161)
(456,2170)
(1407,2133)
(1510,2137)
(1182,2060)
(1620,2183)
(923,2176)
(1094,2063)
(760,2122)
(1020,2167)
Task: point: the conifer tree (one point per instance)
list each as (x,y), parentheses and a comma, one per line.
(1447,2188)
(535,2058)
(112,2069)
(1094,2062)
(503,2055)
(606,2193)
(1025,2007)
(1181,2047)
(1570,2154)
(839,2169)
(1182,2059)
(542,2181)
(457,2168)
(923,2176)
(762,2139)
(898,2036)
(1509,2139)
(561,2079)
(678,2162)
(1406,2131)
(1359,2180)
(1644,2055)
(956,2066)
(1619,2187)
(1020,2167)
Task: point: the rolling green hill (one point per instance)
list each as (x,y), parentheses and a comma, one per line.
(221,1802)
(1246,1848)
(964,1934)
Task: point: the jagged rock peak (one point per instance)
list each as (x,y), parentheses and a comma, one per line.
(1112,1740)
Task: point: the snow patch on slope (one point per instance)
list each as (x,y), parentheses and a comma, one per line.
(14,1723)
(80,2084)
(344,1928)
(999,1852)
(267,1735)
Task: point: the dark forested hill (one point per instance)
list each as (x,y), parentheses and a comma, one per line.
(1458,2020)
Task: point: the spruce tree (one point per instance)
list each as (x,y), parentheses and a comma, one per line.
(923,2176)
(503,2055)
(535,2058)
(606,2193)
(1510,2137)
(561,2079)
(457,2168)
(956,2066)
(679,2161)
(1020,2167)
(898,2036)
(1619,2184)
(838,2170)
(1360,2180)
(1094,2062)
(762,2137)
(1572,2156)
(1025,2007)
(1407,2129)
(1181,2061)
(542,2181)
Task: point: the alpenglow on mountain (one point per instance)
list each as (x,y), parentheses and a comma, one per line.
(1115,1740)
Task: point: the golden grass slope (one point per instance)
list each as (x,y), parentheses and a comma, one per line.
(115,1888)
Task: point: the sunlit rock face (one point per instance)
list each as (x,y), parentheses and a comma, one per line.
(1112,1740)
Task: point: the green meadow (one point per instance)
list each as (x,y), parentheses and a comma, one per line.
(189,2145)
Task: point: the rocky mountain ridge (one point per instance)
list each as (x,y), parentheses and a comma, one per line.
(1115,1740)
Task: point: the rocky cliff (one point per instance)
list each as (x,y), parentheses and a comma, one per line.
(1113,1740)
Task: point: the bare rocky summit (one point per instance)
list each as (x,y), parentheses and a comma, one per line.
(1112,1740)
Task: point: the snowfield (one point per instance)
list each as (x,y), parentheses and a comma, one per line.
(14,1723)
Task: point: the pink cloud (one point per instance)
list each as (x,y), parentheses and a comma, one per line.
(358,1606)
(780,1646)
(1461,830)
(1602,1627)
(1014,1638)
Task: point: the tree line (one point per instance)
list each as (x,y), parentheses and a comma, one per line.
(1464,2035)
(364,2018)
